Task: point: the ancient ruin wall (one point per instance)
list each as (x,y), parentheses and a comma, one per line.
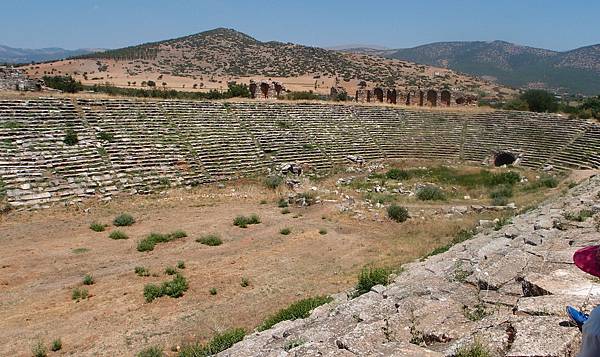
(505,289)
(134,146)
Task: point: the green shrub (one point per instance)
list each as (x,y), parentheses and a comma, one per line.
(243,222)
(322,231)
(263,202)
(56,345)
(285,231)
(474,350)
(397,174)
(210,240)
(142,271)
(79,294)
(153,351)
(500,201)
(501,222)
(285,211)
(39,349)
(124,219)
(282,203)
(63,83)
(503,190)
(118,235)
(431,193)
(148,243)
(106,136)
(273,182)
(580,216)
(219,343)
(369,277)
(298,310)
(293,344)
(174,288)
(70,137)
(245,282)
(88,280)
(549,181)
(397,213)
(308,198)
(181,264)
(213,291)
(539,100)
(97,227)
(170,271)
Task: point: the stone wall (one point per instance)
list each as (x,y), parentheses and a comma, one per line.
(13,79)
(419,97)
(134,146)
(507,289)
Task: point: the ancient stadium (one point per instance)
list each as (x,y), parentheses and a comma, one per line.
(137,224)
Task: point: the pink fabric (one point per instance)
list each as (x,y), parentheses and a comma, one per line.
(587,260)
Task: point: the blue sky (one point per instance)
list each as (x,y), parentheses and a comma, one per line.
(553,24)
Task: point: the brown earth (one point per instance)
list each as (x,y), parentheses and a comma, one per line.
(45,255)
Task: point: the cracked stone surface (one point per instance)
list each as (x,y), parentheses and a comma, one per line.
(513,300)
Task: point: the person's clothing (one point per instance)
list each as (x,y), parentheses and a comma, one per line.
(577,316)
(590,344)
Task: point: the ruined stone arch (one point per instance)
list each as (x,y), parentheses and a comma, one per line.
(378,92)
(253,88)
(504,158)
(264,89)
(392,96)
(431,98)
(445,97)
(408,99)
(278,88)
(421,98)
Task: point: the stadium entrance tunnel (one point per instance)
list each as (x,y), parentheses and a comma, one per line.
(504,158)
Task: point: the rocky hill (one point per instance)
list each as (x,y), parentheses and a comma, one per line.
(575,71)
(504,291)
(210,59)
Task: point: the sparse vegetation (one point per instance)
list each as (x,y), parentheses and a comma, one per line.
(285,231)
(118,235)
(580,216)
(282,203)
(153,351)
(56,345)
(477,313)
(293,344)
(170,271)
(244,222)
(219,343)
(397,213)
(245,282)
(123,220)
(174,288)
(79,294)
(322,231)
(476,349)
(273,182)
(148,243)
(71,137)
(88,279)
(369,277)
(431,193)
(298,310)
(285,211)
(97,227)
(210,240)
(461,236)
(141,271)
(213,291)
(39,349)
(397,174)
(105,136)
(181,264)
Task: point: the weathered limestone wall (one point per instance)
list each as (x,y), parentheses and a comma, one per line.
(13,79)
(506,289)
(135,146)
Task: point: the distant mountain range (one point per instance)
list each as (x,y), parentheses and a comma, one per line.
(25,55)
(575,71)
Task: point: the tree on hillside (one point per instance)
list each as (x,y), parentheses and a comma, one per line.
(516,104)
(540,101)
(237,90)
(63,83)
(592,105)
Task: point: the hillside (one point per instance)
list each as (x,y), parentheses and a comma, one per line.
(210,59)
(25,55)
(576,71)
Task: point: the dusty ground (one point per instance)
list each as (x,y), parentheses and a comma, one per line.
(45,254)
